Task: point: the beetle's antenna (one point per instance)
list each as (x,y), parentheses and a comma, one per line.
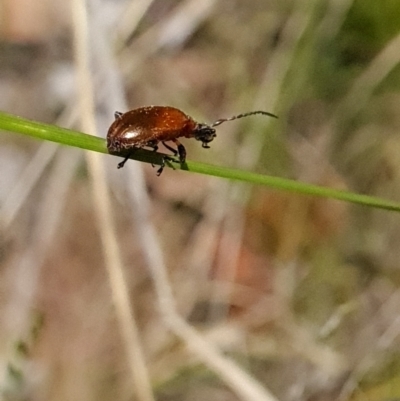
(222,120)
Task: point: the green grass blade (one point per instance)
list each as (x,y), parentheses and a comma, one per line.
(52,133)
(88,142)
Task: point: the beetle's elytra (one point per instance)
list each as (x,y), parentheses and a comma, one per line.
(148,126)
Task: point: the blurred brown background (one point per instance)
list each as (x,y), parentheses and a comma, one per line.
(302,293)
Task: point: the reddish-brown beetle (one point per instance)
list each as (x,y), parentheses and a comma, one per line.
(148,126)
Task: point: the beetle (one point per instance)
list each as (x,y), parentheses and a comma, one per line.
(148,126)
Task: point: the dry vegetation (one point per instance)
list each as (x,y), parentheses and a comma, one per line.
(300,294)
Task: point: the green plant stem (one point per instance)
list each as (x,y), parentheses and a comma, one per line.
(89,142)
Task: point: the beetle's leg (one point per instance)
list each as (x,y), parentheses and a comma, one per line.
(174,151)
(163,159)
(127,157)
(155,148)
(181,151)
(118,114)
(121,164)
(153,145)
(160,170)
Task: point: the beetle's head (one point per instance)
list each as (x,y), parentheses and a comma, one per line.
(205,134)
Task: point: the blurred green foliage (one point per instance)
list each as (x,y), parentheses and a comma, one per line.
(368,27)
